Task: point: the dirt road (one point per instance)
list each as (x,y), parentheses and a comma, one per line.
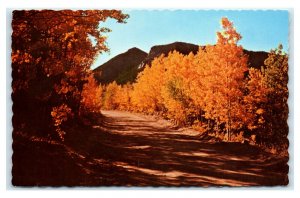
(127,149)
(150,152)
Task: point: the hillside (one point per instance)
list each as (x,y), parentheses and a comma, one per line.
(124,67)
(155,51)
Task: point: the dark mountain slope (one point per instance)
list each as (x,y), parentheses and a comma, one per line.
(122,68)
(256,58)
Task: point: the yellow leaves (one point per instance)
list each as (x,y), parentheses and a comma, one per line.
(259,111)
(221,69)
(146,94)
(111,95)
(123,97)
(226,23)
(51,56)
(71,74)
(256,100)
(229,35)
(60,37)
(15,56)
(74,22)
(261,120)
(68,35)
(59,115)
(77,59)
(63,87)
(69,46)
(91,100)
(118,97)
(19,58)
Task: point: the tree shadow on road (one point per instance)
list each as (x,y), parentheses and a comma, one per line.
(134,153)
(148,156)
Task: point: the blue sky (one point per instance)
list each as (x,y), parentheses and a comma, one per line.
(261,30)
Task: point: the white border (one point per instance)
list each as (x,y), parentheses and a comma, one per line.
(153,4)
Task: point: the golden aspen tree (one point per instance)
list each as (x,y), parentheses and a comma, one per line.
(110,96)
(51,54)
(122,97)
(256,102)
(175,93)
(91,96)
(224,79)
(146,95)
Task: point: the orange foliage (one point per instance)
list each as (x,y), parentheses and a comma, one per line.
(212,90)
(256,99)
(187,88)
(110,96)
(266,101)
(146,95)
(59,115)
(223,79)
(123,99)
(91,96)
(176,93)
(52,54)
(277,111)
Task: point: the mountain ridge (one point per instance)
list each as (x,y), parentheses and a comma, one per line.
(125,67)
